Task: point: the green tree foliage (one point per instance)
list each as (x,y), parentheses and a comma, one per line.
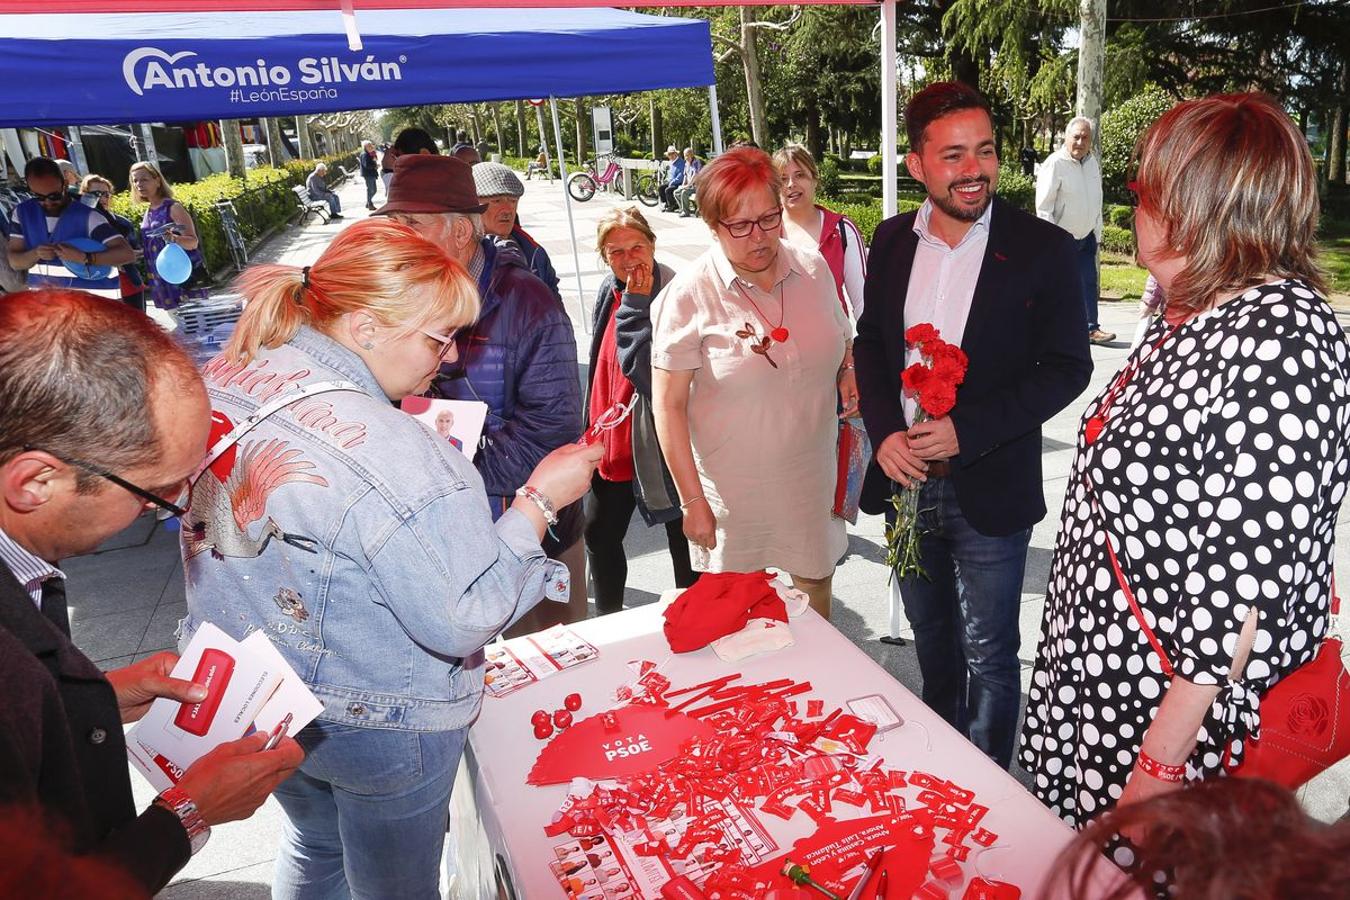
(1121,127)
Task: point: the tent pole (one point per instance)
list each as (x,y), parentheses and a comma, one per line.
(567,202)
(888,117)
(716,120)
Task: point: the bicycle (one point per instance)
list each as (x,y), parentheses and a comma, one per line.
(229,222)
(583,185)
(648,187)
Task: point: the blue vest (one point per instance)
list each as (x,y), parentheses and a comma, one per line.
(72,223)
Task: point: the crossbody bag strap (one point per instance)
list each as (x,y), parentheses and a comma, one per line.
(231,437)
(1125,587)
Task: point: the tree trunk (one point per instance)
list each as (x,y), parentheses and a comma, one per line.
(234,148)
(1336,164)
(276,148)
(520,128)
(582,127)
(1091,62)
(753,93)
(813,128)
(658,130)
(475,124)
(305,138)
(497,126)
(965,68)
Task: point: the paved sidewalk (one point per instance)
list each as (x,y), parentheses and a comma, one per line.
(126,599)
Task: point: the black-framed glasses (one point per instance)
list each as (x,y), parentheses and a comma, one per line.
(99,193)
(447,341)
(1132,188)
(48,198)
(153,499)
(767,222)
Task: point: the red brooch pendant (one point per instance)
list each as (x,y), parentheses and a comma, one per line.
(1092,429)
(779,334)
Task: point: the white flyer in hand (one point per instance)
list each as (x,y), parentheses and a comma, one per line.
(248,684)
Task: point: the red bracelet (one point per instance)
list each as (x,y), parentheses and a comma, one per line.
(1154,769)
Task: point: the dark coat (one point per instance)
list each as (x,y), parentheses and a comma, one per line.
(520,358)
(62,746)
(658,500)
(1026,339)
(536,257)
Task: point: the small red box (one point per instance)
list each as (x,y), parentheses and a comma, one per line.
(213,672)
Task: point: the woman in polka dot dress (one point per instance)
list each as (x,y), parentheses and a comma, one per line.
(1214,464)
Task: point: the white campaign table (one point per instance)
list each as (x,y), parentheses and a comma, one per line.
(496,809)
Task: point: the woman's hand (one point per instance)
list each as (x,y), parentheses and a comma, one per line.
(639,279)
(564,476)
(1138,788)
(700,525)
(848,394)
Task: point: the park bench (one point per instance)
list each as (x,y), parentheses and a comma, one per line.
(309,205)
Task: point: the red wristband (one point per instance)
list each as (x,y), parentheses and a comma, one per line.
(1154,769)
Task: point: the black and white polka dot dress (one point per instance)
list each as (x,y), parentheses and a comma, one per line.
(1217,477)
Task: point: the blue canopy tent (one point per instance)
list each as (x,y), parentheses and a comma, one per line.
(99,68)
(107,67)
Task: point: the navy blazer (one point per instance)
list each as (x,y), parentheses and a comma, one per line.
(1026,339)
(61,746)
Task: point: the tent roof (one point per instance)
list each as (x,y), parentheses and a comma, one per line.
(90,68)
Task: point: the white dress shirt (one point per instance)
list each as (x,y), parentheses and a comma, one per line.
(29,570)
(1069,193)
(942,284)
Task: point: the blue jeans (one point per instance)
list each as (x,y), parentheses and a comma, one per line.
(965,621)
(1087,272)
(334,204)
(366,813)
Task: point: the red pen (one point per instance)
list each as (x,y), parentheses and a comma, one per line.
(881,886)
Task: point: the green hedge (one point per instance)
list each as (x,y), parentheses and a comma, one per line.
(1118,240)
(867,216)
(1120,216)
(261,203)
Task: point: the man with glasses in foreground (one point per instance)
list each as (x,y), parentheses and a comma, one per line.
(520,357)
(102,416)
(50,229)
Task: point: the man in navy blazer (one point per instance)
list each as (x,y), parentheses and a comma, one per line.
(1003,285)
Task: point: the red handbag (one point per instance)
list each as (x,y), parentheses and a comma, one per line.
(1305,717)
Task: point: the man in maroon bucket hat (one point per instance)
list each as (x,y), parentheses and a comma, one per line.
(520,358)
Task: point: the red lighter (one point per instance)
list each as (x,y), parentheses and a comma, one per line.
(213,672)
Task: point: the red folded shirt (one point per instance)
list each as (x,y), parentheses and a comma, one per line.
(720,604)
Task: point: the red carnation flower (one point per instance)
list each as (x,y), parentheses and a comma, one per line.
(921,334)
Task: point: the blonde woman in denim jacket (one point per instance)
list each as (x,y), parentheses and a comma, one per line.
(362,544)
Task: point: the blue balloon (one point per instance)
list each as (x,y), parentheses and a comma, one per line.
(79,269)
(173,264)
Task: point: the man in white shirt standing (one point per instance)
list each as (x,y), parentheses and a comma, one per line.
(1069,193)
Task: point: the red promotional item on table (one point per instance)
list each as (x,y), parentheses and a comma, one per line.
(720,604)
(645,736)
(984,889)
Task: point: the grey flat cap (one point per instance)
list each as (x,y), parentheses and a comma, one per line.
(493,179)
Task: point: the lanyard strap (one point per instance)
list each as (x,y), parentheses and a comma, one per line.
(230,438)
(1125,586)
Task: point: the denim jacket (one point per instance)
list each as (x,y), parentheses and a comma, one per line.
(358,540)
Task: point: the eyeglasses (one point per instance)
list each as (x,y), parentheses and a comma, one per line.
(99,193)
(447,341)
(48,198)
(767,222)
(151,499)
(1133,188)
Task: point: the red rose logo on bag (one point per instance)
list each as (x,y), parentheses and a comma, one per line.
(1308,715)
